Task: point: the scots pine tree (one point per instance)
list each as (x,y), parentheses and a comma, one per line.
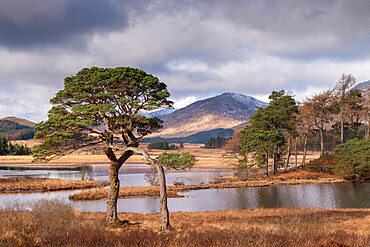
(102,106)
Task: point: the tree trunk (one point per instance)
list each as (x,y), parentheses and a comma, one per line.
(357,134)
(267,162)
(304,151)
(275,161)
(112,217)
(165,218)
(322,141)
(341,127)
(295,152)
(113,193)
(288,154)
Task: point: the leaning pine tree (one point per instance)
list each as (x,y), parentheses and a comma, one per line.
(102,106)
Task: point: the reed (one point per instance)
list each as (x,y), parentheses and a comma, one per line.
(46,184)
(55,223)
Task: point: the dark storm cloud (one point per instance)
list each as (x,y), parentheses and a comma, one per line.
(300,29)
(63,23)
(198,47)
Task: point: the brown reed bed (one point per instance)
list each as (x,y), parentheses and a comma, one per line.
(54,223)
(46,184)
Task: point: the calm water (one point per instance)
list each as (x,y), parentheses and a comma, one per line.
(345,195)
(129,175)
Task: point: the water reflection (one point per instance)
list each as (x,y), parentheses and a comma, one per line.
(345,195)
(129,175)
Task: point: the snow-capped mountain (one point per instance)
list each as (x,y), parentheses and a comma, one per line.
(361,85)
(159,113)
(227,111)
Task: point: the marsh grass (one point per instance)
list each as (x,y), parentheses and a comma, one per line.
(46,184)
(55,223)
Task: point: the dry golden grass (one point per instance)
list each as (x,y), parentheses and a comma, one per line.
(124,192)
(355,221)
(53,223)
(45,184)
(207,158)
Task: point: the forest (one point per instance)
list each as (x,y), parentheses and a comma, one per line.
(6,147)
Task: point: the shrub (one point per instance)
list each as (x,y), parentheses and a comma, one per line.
(353,159)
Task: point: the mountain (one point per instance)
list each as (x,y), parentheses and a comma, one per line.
(160,113)
(224,111)
(364,88)
(362,85)
(16,129)
(200,137)
(20,121)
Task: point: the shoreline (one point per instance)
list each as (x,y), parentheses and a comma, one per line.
(172,190)
(295,176)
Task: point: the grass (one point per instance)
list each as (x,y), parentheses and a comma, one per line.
(207,158)
(46,184)
(54,223)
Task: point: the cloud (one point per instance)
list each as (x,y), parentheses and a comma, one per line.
(199,48)
(307,29)
(25,100)
(68,23)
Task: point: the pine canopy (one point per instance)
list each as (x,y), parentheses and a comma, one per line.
(101,105)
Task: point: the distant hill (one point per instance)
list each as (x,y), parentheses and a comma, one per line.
(20,121)
(16,129)
(201,137)
(224,111)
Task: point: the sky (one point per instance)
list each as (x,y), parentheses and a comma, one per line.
(199,48)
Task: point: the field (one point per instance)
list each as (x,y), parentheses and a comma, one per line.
(53,223)
(207,158)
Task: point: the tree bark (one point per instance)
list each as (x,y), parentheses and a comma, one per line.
(295,152)
(288,153)
(163,198)
(304,152)
(112,217)
(357,132)
(341,126)
(322,141)
(275,161)
(267,162)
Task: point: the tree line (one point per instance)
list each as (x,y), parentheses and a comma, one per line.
(275,132)
(215,142)
(6,147)
(164,145)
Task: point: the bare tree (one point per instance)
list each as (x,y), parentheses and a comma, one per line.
(319,108)
(341,90)
(305,126)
